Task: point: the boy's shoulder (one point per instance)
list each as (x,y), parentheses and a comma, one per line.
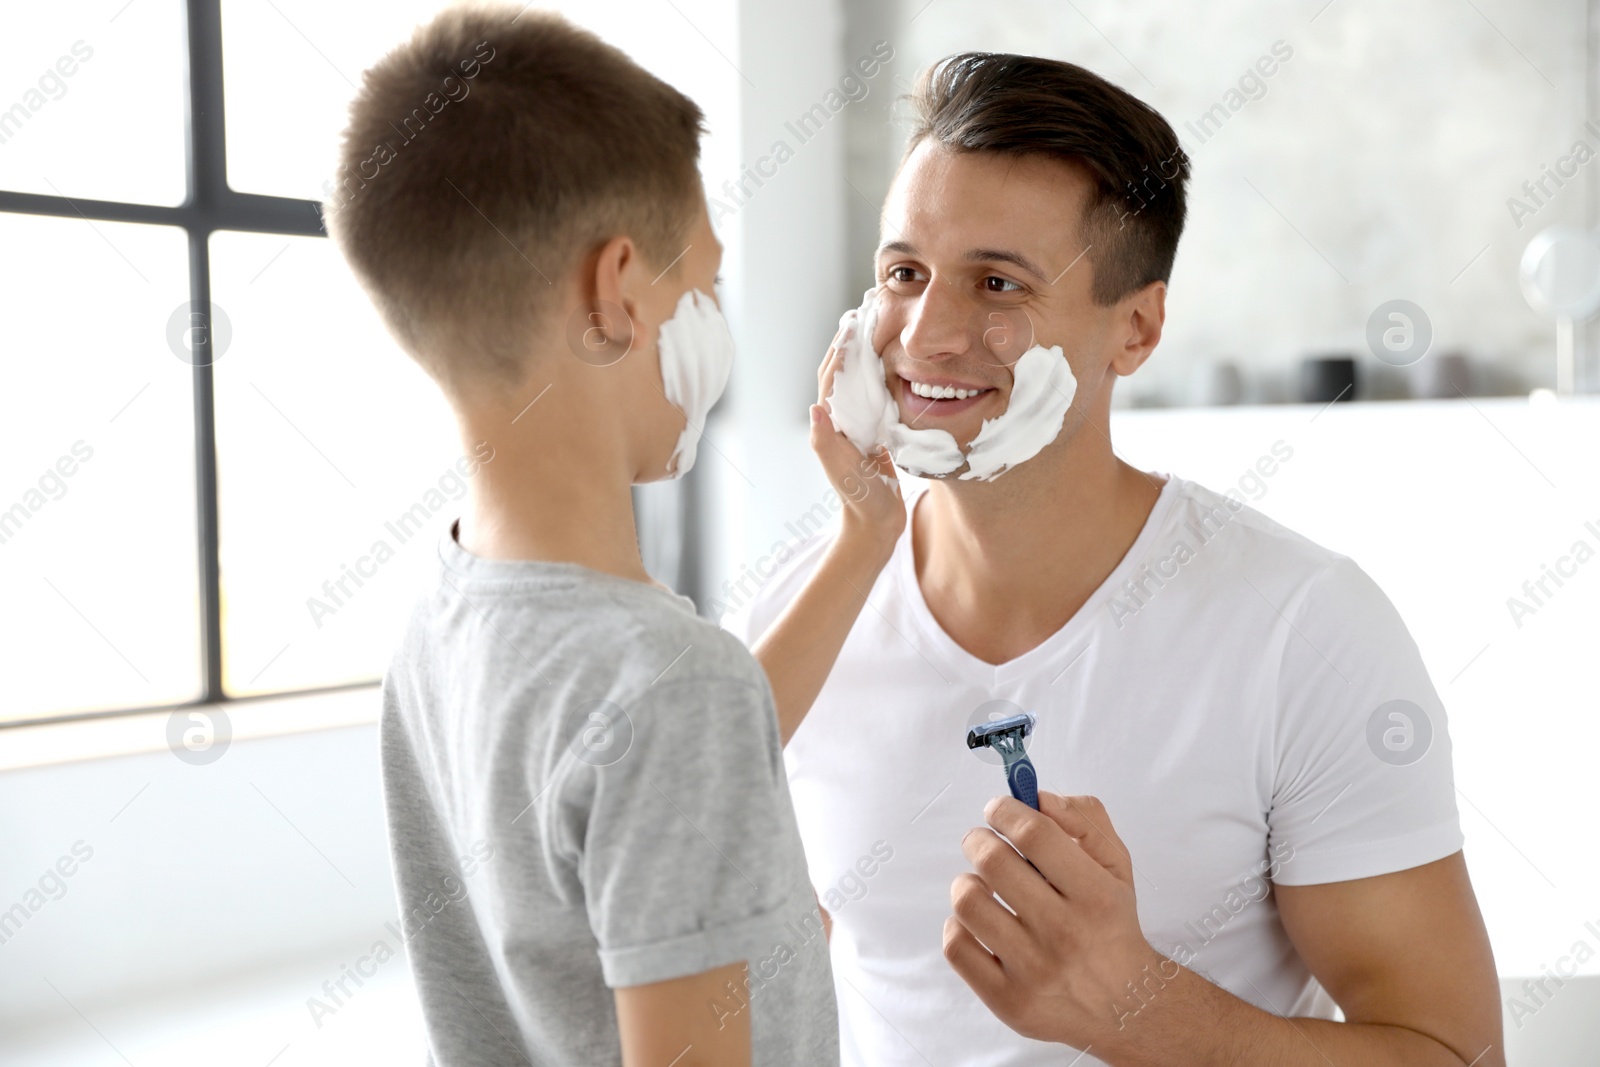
(668,643)
(521,626)
(634,637)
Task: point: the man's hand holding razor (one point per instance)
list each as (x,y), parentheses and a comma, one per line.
(1059,959)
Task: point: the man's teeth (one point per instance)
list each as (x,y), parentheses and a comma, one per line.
(941,392)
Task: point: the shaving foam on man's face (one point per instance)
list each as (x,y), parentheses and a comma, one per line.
(958,359)
(696,349)
(1042,388)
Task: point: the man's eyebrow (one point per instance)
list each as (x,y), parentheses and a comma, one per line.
(904,248)
(1000,255)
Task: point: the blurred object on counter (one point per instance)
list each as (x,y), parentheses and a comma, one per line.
(1324,379)
(1216,383)
(1444,377)
(1560,276)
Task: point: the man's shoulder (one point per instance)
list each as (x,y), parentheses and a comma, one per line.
(1201,517)
(751,600)
(1239,545)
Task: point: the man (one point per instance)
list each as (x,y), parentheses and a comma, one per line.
(1261,822)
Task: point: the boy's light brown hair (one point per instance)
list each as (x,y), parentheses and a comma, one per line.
(483,159)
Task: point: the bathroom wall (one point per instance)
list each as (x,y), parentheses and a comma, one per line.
(1374,163)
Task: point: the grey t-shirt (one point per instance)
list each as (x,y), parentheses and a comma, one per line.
(585,789)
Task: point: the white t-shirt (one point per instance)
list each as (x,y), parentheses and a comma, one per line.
(1226,692)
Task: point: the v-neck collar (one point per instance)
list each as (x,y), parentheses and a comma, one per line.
(1065,645)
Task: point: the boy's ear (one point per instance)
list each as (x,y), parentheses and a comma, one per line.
(609,281)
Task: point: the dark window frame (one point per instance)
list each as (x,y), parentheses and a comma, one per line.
(209,205)
(212,205)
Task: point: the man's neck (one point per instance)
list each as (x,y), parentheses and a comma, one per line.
(1004,565)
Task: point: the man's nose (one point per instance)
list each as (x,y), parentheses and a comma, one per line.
(937,326)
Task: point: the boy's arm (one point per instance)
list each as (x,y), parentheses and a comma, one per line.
(686,1022)
(655,841)
(798,650)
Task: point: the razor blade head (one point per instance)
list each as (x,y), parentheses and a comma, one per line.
(1013,727)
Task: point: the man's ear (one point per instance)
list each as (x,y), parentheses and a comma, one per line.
(1140,318)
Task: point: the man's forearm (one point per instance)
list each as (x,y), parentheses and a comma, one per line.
(1186,1019)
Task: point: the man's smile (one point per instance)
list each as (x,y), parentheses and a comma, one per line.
(936,396)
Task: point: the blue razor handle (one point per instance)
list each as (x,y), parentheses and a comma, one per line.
(1023,781)
(1005,737)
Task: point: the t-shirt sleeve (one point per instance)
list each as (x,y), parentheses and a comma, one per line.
(753,603)
(686,840)
(1362,783)
(740,623)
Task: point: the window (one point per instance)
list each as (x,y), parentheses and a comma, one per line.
(221,475)
(202,411)
(328,439)
(222,478)
(97,490)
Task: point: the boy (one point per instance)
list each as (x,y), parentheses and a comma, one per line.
(602,766)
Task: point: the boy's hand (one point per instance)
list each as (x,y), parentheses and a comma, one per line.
(874,511)
(798,650)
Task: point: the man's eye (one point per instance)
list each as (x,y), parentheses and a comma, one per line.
(996,284)
(902,274)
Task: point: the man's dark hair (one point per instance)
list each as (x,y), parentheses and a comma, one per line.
(1027,106)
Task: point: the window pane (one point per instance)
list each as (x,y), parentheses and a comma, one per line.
(327,436)
(283,131)
(93,100)
(97,514)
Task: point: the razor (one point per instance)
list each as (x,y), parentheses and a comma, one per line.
(1005,737)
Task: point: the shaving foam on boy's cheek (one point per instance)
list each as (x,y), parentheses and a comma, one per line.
(862,409)
(696,350)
